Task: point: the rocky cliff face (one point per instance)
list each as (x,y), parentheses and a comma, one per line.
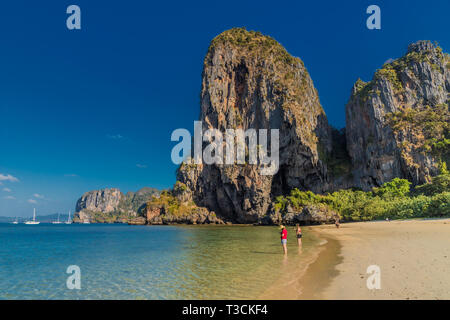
(111,205)
(396,121)
(251,82)
(398,125)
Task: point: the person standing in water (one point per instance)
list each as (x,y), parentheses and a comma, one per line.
(298,232)
(283,235)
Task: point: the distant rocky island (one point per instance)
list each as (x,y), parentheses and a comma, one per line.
(110,205)
(392,152)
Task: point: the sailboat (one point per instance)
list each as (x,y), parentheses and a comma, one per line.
(34,218)
(16,221)
(57,221)
(68,219)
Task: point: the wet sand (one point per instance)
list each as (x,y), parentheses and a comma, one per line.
(413,257)
(294,267)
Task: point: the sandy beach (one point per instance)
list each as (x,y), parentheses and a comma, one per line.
(413,257)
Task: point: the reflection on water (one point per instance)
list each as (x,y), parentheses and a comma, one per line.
(141,262)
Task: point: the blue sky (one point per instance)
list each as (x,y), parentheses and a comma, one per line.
(94,108)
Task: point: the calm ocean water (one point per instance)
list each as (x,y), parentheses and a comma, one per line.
(143,262)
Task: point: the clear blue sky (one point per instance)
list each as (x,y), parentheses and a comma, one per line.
(94,108)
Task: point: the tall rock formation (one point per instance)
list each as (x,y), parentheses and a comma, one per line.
(398,122)
(249,81)
(398,125)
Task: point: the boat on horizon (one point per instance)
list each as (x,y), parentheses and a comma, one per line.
(15,221)
(34,218)
(68,219)
(57,221)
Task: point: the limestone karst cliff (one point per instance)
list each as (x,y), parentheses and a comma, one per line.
(167,208)
(398,126)
(398,122)
(111,205)
(250,81)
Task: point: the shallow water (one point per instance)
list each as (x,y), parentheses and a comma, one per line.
(144,262)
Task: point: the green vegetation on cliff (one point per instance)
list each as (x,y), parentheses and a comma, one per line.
(431,125)
(365,90)
(169,204)
(393,200)
(391,71)
(422,56)
(135,201)
(173,207)
(254,41)
(106,217)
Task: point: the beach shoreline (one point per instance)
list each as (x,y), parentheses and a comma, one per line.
(413,257)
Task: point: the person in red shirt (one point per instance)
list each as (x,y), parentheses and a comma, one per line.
(284,238)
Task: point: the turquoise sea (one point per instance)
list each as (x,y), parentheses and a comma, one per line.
(143,262)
